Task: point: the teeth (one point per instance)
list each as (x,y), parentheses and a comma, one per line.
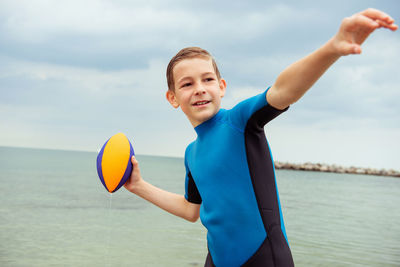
(202,103)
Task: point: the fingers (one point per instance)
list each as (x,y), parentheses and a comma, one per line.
(383,19)
(377,15)
(359,21)
(134,177)
(135,165)
(383,24)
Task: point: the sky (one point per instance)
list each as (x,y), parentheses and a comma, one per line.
(73,73)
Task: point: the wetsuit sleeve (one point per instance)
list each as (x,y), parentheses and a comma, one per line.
(256,108)
(191,192)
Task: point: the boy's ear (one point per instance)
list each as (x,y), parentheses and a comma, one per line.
(222,86)
(172,98)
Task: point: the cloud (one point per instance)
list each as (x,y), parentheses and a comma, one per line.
(39,21)
(50,79)
(102,34)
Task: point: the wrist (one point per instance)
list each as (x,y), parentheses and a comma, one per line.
(331,48)
(137,186)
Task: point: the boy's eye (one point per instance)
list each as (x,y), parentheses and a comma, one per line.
(209,79)
(186,84)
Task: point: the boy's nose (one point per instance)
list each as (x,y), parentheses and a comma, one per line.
(200,90)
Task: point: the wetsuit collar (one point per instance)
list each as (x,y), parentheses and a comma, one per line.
(204,126)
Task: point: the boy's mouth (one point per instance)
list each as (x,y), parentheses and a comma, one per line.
(201,103)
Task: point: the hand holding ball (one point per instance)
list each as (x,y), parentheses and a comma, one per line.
(114,164)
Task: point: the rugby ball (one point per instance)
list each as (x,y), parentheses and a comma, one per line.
(114,164)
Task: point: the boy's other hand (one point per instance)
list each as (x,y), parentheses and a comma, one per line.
(135,177)
(355,30)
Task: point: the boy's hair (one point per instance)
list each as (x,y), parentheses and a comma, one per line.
(188,53)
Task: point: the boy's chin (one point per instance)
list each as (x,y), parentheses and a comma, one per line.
(199,120)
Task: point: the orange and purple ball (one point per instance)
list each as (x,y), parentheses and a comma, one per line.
(114,164)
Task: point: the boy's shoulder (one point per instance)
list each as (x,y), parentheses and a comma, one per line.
(189,148)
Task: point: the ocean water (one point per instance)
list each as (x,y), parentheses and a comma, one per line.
(55,212)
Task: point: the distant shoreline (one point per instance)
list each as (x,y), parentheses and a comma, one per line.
(319,167)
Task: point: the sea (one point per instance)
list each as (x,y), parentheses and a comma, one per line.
(54,211)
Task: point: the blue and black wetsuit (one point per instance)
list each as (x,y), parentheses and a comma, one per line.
(230,171)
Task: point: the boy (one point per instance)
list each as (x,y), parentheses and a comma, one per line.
(230,179)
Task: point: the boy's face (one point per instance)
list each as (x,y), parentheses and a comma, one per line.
(197,89)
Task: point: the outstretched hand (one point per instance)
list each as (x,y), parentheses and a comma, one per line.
(355,30)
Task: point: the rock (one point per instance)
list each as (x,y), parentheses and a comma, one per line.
(308,166)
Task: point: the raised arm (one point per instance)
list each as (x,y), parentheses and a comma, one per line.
(173,203)
(296,79)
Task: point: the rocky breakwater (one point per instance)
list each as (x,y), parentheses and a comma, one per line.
(334,168)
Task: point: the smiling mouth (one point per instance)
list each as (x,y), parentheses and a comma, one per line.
(201,103)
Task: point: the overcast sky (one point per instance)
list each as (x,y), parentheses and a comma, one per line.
(73,73)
